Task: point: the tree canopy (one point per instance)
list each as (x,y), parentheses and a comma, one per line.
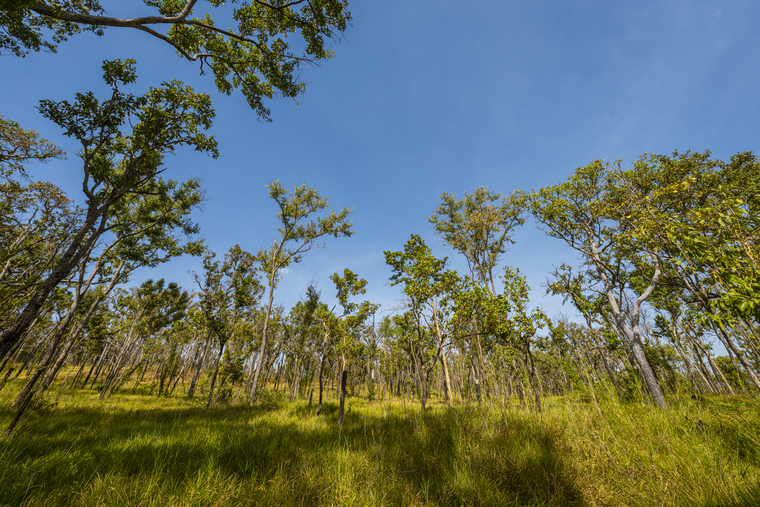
(253,55)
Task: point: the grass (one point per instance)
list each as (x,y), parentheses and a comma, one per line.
(139,450)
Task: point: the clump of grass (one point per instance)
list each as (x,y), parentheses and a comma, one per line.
(138,450)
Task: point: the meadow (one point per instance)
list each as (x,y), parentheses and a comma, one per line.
(139,450)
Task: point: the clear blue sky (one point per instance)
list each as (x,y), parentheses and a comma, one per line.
(437,96)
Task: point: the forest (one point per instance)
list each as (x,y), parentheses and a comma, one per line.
(466,393)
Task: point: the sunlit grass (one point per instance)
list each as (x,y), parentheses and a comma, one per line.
(139,450)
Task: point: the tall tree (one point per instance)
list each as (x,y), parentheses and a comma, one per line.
(699,215)
(353,318)
(425,283)
(121,166)
(301,226)
(588,212)
(479,227)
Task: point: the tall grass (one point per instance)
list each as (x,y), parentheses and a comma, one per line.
(139,450)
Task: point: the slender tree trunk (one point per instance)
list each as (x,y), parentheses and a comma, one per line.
(96,363)
(423,379)
(176,380)
(729,343)
(142,375)
(718,374)
(81,369)
(262,349)
(603,353)
(191,390)
(532,378)
(446,377)
(343,378)
(13,354)
(213,379)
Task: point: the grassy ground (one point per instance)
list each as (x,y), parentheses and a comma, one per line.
(140,450)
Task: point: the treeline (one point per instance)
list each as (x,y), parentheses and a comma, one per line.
(668,250)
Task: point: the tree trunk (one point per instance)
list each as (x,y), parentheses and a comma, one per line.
(197,374)
(262,349)
(343,378)
(213,379)
(96,363)
(532,378)
(729,343)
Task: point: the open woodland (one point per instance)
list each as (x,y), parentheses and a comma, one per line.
(117,393)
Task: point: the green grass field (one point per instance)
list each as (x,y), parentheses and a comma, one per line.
(139,450)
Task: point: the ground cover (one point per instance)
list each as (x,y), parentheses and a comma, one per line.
(142,450)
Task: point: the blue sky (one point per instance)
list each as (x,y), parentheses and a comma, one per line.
(429,97)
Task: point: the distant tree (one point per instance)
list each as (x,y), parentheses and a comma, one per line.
(304,321)
(228,291)
(352,319)
(478,226)
(146,312)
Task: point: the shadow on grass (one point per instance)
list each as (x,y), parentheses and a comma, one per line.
(446,457)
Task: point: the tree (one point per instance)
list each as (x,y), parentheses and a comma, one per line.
(18,145)
(254,55)
(573,287)
(228,291)
(146,311)
(122,170)
(479,228)
(700,217)
(301,227)
(35,217)
(305,325)
(588,212)
(519,325)
(425,282)
(353,318)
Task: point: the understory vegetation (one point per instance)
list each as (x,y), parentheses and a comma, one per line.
(134,449)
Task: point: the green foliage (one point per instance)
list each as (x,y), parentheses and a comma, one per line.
(229,290)
(253,56)
(300,226)
(479,228)
(427,286)
(702,217)
(153,305)
(420,272)
(18,145)
(24,31)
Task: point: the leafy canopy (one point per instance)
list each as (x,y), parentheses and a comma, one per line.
(253,55)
